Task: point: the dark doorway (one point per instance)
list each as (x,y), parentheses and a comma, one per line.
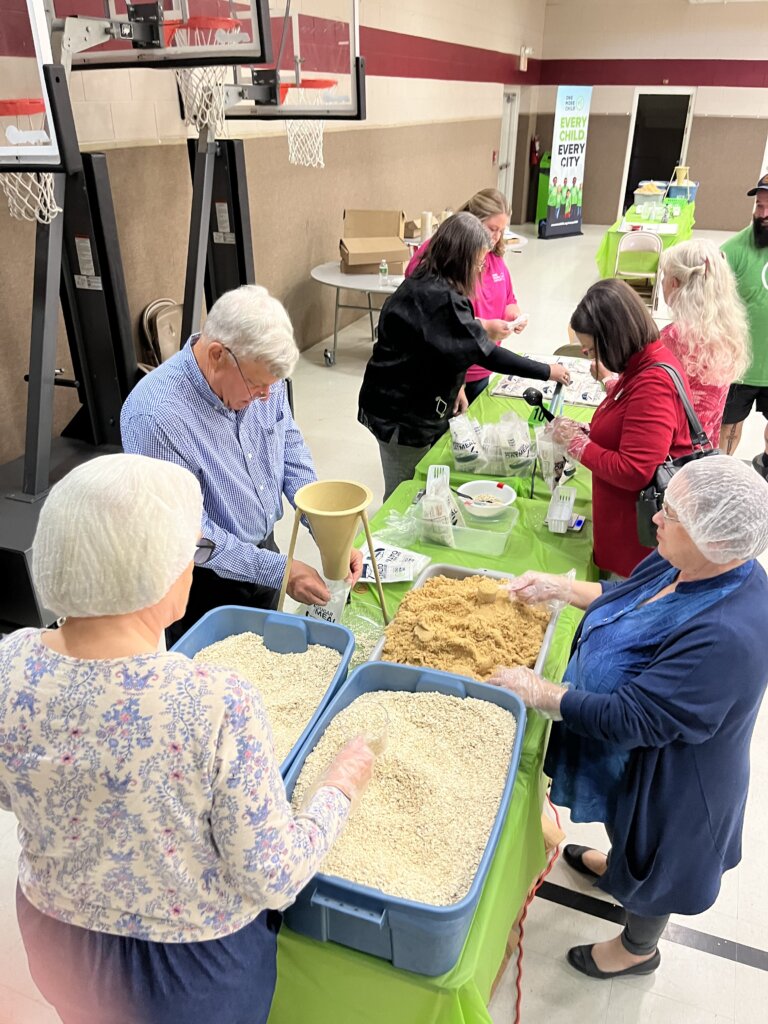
(658,140)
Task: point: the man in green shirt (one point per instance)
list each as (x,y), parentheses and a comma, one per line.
(747,255)
(553,201)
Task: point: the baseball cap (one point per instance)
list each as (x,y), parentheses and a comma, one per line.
(762,184)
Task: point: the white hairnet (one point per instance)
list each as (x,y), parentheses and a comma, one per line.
(115,534)
(723,505)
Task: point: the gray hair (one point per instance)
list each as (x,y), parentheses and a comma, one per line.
(255,327)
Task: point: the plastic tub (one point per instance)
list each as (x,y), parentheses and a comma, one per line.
(561,509)
(684,191)
(284,633)
(413,936)
(459,572)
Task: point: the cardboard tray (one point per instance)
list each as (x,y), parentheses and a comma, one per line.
(460,572)
(413,936)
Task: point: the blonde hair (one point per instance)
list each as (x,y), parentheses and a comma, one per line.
(710,317)
(488,202)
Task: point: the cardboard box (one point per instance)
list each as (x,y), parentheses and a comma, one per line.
(413,228)
(371,236)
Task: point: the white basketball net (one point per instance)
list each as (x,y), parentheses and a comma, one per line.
(305,138)
(202,89)
(30,195)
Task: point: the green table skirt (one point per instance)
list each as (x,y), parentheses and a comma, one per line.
(324,983)
(641,262)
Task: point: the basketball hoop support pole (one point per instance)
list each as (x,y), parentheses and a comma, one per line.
(199,226)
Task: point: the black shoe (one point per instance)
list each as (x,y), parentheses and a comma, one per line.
(573,857)
(759,463)
(581,959)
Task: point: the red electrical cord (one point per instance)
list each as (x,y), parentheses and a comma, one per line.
(534,890)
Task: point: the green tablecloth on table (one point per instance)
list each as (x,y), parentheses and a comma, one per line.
(324,983)
(641,261)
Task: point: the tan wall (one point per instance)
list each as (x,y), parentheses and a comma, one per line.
(295,219)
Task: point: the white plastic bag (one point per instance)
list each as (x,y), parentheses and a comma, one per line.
(551,456)
(517,447)
(395,565)
(468,456)
(332,611)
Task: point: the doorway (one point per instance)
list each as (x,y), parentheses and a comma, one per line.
(508,144)
(658,139)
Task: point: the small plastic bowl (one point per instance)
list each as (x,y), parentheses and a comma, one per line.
(503,492)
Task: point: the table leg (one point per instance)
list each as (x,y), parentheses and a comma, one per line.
(370,315)
(330,354)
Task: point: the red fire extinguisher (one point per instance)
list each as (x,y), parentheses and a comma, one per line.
(535,151)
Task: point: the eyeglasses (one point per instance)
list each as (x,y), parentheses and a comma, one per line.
(203,551)
(240,371)
(667,513)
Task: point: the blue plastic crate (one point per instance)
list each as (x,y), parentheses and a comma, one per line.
(413,936)
(284,633)
(684,191)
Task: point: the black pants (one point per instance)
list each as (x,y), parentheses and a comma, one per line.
(641,934)
(473,388)
(211,591)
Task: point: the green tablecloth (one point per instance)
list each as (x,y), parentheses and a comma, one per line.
(324,983)
(489,409)
(641,261)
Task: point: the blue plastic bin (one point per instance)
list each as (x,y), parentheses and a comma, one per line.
(287,634)
(684,191)
(413,936)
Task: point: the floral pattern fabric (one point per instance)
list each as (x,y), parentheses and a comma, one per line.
(149,799)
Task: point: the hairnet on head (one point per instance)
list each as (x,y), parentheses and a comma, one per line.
(723,506)
(115,534)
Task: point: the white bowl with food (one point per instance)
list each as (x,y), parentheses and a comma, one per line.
(486,499)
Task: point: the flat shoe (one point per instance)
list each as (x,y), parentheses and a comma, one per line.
(581,959)
(573,856)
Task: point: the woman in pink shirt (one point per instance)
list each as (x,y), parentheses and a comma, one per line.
(493,299)
(709,334)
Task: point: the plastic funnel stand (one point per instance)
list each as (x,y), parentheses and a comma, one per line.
(333,508)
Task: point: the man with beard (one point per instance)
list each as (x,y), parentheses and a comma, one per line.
(747,255)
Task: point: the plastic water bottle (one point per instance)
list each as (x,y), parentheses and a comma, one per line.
(383,274)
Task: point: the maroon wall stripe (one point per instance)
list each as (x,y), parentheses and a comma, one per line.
(722,73)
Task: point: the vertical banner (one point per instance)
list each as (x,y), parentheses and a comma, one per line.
(566,175)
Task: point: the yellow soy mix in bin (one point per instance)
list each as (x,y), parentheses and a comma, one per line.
(466,626)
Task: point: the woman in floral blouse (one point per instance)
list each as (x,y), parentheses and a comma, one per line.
(157,842)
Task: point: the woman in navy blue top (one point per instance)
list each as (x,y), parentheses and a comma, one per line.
(661,694)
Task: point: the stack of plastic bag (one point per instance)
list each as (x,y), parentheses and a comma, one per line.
(492,449)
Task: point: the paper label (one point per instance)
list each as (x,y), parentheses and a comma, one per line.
(88,284)
(84,256)
(222,218)
(224,237)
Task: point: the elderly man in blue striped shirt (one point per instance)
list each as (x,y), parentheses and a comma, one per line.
(219,407)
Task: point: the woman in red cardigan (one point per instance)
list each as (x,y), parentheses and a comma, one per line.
(639,424)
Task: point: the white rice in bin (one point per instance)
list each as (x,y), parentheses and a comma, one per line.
(290,685)
(422,826)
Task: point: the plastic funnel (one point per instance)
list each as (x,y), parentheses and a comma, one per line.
(333,508)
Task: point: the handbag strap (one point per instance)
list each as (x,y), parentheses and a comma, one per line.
(698,438)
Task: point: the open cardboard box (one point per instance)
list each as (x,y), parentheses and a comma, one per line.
(371,236)
(413,228)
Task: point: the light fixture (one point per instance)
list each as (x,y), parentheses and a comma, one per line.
(525,53)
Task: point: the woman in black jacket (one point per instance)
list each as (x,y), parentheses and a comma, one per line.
(428,337)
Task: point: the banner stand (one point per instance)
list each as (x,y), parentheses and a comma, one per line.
(566,174)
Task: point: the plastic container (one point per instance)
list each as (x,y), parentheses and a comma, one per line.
(383,273)
(460,572)
(560,509)
(645,198)
(489,539)
(287,634)
(684,191)
(413,936)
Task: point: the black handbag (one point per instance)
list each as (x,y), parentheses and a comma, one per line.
(652,497)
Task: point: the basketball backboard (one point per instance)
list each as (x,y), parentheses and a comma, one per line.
(316,71)
(26,128)
(163,33)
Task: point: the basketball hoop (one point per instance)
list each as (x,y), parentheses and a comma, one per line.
(30,194)
(202,89)
(305,138)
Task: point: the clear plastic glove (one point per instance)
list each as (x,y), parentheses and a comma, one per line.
(497,330)
(559,373)
(576,446)
(564,429)
(350,771)
(537,587)
(534,691)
